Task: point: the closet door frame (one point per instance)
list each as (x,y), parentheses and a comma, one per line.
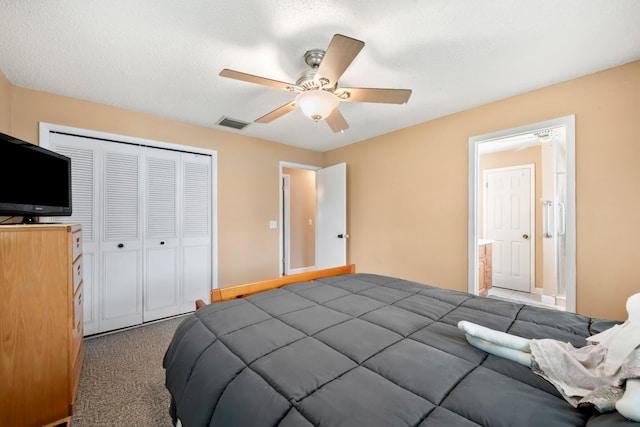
(45,129)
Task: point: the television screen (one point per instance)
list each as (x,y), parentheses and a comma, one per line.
(34,181)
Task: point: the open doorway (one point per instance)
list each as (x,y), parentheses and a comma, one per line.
(532,250)
(298,213)
(312,236)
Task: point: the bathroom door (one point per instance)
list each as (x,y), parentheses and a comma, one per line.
(508,222)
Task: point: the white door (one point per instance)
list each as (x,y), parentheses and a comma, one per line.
(121,245)
(331,216)
(85,156)
(161,240)
(148,221)
(198,264)
(508,222)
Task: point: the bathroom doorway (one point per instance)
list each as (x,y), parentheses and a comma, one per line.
(548,149)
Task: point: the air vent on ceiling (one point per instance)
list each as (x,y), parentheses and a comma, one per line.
(232,123)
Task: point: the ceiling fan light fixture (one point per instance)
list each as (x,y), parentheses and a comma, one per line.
(317,104)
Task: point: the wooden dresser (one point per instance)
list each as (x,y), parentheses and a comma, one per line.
(41,327)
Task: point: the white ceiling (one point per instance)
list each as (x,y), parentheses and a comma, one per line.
(163,57)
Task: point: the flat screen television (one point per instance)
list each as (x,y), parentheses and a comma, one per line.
(34,181)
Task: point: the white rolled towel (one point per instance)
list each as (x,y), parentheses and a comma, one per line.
(498,343)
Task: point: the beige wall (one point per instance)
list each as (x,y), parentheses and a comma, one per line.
(408,195)
(248,171)
(407,203)
(5,104)
(512,158)
(303,209)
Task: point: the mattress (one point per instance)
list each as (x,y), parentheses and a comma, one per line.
(366,350)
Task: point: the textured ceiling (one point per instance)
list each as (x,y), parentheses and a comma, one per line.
(163,57)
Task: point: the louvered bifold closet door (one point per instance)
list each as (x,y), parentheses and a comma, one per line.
(84,154)
(121,302)
(147,214)
(197,260)
(161,243)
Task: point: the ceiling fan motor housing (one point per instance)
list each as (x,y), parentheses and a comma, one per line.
(307,79)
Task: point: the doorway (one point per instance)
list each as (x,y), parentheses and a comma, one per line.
(298,219)
(552,145)
(314,233)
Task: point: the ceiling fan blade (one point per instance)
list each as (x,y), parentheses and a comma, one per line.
(278,112)
(336,121)
(341,52)
(237,75)
(361,94)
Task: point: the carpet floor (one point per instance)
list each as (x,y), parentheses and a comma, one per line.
(122,380)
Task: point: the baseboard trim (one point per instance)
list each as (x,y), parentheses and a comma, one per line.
(548,299)
(301,270)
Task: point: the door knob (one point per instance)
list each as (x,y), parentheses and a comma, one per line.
(121,245)
(525,236)
(340,236)
(162,242)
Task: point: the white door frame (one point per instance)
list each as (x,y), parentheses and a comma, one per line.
(286,223)
(532,216)
(472,231)
(282,165)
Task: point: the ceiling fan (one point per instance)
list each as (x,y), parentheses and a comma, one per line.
(318,92)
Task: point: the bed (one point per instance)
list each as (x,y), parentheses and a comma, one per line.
(340,348)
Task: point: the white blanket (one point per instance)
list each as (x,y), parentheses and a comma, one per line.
(581,374)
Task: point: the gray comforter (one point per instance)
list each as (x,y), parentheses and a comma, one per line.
(365,350)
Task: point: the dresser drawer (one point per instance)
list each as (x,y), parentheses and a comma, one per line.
(76,242)
(75,375)
(77,274)
(78,320)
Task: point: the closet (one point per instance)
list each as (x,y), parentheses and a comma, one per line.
(147,214)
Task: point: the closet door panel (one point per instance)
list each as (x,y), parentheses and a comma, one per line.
(90,291)
(161,278)
(196,275)
(85,155)
(122,238)
(161,243)
(120,298)
(196,230)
